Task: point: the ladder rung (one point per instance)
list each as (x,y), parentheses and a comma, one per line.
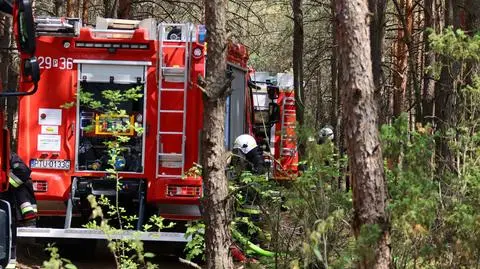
(172,68)
(171,90)
(170,133)
(169,154)
(170,111)
(170,176)
(175,46)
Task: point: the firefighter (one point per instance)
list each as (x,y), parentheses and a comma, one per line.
(247,155)
(325,134)
(22,195)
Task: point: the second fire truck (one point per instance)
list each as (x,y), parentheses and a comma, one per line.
(65,145)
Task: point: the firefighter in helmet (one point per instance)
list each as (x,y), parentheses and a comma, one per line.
(247,155)
(325,134)
(22,195)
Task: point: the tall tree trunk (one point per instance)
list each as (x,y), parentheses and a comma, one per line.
(298,41)
(377,32)
(70,8)
(429,60)
(404,34)
(110,8)
(86,6)
(446,95)
(56,7)
(333,72)
(216,203)
(362,137)
(125,9)
(5,42)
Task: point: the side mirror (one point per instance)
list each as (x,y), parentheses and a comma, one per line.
(25,34)
(31,73)
(274,113)
(31,70)
(5,233)
(273,92)
(25,28)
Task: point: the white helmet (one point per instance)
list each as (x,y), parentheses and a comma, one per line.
(326,133)
(245,143)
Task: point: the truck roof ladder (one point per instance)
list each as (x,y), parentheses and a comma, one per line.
(288,145)
(57,26)
(176,39)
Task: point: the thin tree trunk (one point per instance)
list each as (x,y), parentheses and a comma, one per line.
(446,96)
(377,33)
(400,77)
(111,8)
(86,6)
(429,60)
(57,5)
(125,9)
(216,203)
(334,72)
(363,144)
(298,43)
(5,42)
(70,8)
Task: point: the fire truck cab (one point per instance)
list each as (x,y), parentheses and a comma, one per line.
(63,136)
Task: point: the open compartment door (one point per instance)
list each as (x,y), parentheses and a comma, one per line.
(101,122)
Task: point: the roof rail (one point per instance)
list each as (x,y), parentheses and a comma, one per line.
(57,26)
(105,25)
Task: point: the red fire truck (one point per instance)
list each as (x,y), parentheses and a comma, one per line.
(30,74)
(164,61)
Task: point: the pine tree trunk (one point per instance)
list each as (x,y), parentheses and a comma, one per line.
(333,72)
(377,32)
(125,9)
(429,60)
(362,137)
(298,43)
(216,205)
(400,77)
(86,6)
(70,8)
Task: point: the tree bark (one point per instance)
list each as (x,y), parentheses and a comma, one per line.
(111,8)
(400,77)
(216,204)
(377,33)
(362,137)
(70,8)
(125,9)
(446,95)
(429,60)
(298,43)
(86,6)
(334,72)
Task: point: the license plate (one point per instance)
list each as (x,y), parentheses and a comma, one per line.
(50,164)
